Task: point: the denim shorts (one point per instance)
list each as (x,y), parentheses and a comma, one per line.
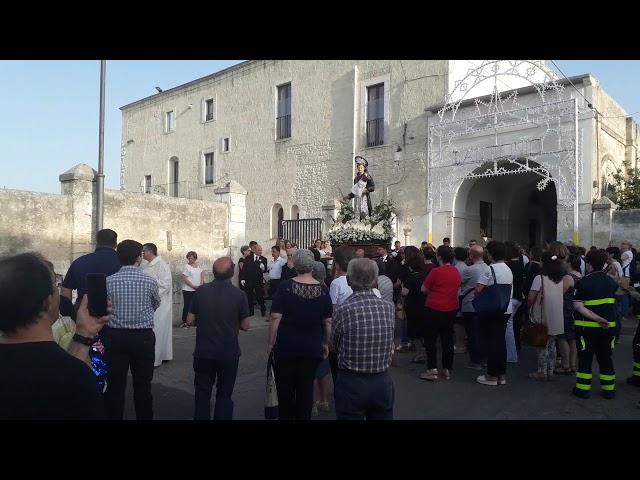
(324,369)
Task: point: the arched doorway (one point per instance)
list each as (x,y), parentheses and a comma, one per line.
(277,216)
(507,207)
(295,212)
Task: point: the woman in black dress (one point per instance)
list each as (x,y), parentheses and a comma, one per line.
(413,298)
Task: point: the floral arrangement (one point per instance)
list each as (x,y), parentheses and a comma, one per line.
(375,228)
(355,231)
(346,213)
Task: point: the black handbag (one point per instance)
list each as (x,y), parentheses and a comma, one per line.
(494,298)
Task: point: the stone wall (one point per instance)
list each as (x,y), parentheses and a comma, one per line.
(36,222)
(61,226)
(626,226)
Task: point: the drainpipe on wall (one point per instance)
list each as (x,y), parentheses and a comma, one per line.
(356,102)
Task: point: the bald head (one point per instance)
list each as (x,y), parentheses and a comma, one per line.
(223,268)
(476,252)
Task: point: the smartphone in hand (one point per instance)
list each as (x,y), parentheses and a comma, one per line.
(97,294)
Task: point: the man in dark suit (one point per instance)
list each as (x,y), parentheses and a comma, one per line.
(255,266)
(388,265)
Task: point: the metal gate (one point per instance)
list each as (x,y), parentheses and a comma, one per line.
(301,232)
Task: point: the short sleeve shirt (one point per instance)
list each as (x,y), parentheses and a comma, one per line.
(194,274)
(304,308)
(598,286)
(219,307)
(103,260)
(340,290)
(443,284)
(504,276)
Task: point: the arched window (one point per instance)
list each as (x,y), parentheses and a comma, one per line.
(277,216)
(295,212)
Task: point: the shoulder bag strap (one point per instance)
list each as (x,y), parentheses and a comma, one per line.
(493,272)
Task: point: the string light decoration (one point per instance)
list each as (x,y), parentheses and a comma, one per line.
(506,133)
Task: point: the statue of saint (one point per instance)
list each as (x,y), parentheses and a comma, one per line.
(362,186)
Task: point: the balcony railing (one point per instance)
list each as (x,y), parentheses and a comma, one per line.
(186,189)
(375,132)
(283,127)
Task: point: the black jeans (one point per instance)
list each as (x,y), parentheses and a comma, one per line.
(273,286)
(333,363)
(124,349)
(255,293)
(294,383)
(439,324)
(206,373)
(476,344)
(186,296)
(493,328)
(361,396)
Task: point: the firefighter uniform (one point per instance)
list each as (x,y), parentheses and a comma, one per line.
(598,293)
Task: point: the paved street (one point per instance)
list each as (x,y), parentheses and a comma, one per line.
(460,398)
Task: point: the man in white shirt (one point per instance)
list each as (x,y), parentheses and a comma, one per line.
(340,289)
(275,270)
(626,255)
(470,277)
(159,270)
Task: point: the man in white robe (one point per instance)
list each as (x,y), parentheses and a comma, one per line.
(159,270)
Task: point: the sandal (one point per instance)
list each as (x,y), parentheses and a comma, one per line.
(541,377)
(563,371)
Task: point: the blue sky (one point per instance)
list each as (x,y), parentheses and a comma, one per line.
(50,109)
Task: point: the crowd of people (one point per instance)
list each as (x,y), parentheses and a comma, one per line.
(332,322)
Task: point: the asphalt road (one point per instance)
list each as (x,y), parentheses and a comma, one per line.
(459,398)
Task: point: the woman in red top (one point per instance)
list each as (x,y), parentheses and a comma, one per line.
(442,287)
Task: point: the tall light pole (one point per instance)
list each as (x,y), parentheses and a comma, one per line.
(100,177)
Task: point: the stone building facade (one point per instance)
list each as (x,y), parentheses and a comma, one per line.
(189,140)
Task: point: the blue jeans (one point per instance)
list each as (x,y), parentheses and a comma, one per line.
(364,396)
(404,332)
(206,374)
(476,343)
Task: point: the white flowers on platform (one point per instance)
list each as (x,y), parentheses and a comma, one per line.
(355,231)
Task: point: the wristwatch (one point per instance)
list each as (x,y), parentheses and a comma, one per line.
(83,340)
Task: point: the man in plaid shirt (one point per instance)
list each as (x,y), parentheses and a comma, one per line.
(129,339)
(363,339)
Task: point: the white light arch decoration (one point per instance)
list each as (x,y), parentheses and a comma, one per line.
(492,129)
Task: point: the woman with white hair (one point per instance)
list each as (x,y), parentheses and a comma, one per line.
(299,334)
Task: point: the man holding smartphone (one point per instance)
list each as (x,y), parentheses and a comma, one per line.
(39,380)
(129,340)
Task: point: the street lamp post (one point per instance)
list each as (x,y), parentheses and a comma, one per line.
(100,176)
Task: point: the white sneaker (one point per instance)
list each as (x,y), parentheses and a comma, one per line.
(482,379)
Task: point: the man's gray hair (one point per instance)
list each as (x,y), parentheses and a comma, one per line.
(362,273)
(319,271)
(303,261)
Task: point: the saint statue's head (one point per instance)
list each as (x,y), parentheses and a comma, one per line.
(361,164)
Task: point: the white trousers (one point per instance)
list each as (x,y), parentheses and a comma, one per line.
(509,336)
